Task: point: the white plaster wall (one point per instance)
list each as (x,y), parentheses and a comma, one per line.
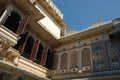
(48,23)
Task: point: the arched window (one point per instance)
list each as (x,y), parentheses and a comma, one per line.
(12,22)
(86,61)
(74,59)
(63,62)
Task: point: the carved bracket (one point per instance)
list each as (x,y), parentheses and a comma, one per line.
(4,46)
(12,56)
(7,40)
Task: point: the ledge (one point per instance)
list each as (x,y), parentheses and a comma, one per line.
(9,35)
(33,68)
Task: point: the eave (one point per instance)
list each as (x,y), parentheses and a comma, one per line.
(29,9)
(87,33)
(52,13)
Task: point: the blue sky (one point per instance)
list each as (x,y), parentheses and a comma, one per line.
(80,14)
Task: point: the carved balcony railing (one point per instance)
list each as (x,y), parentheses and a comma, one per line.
(10,56)
(7,40)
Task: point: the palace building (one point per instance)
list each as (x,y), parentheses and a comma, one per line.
(34,45)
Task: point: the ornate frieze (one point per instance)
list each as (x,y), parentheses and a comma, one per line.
(4,46)
(7,40)
(63,63)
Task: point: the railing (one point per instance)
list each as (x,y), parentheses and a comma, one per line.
(107,72)
(9,56)
(54,7)
(9,35)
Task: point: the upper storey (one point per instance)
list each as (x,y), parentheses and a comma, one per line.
(54,7)
(53,20)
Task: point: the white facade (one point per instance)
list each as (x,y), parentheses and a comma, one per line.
(48,23)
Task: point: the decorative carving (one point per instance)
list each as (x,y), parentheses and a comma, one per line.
(63,71)
(12,56)
(74,59)
(105,35)
(7,40)
(98,56)
(86,61)
(114,53)
(7,53)
(4,46)
(53,72)
(74,70)
(86,68)
(63,62)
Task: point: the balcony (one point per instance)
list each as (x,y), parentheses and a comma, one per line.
(11,57)
(7,40)
(8,35)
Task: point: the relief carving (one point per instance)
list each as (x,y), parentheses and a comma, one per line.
(4,46)
(12,56)
(114,53)
(74,59)
(98,55)
(63,63)
(86,60)
(7,53)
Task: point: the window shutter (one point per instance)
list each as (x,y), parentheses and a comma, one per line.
(44,56)
(28,47)
(22,42)
(34,50)
(22,25)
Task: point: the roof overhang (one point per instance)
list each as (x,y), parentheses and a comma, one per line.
(50,10)
(87,33)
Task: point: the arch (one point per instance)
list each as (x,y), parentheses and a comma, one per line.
(74,59)
(63,62)
(12,22)
(86,61)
